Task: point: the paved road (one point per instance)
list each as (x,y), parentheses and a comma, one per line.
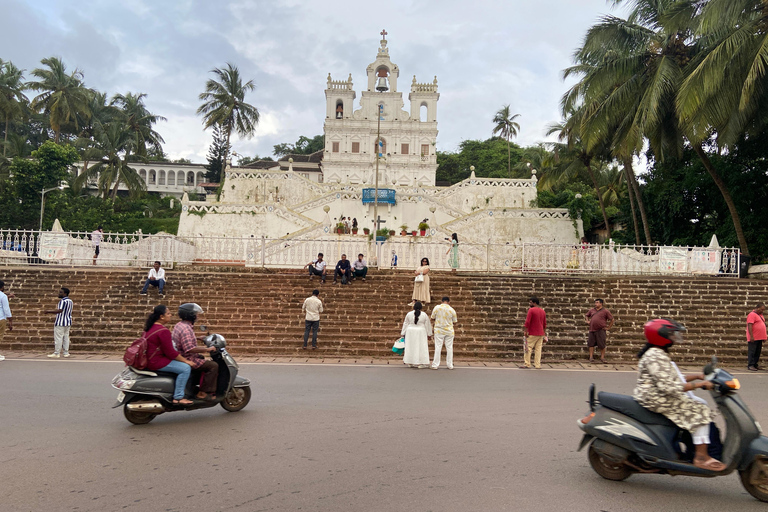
(326,437)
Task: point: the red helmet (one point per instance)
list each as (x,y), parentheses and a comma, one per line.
(663,332)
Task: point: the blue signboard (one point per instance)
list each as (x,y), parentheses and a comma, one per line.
(386,195)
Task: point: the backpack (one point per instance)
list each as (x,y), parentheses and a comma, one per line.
(136,354)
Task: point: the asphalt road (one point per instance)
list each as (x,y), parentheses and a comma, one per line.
(341,438)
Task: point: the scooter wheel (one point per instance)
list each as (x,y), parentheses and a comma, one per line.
(236,399)
(607,468)
(755,478)
(137,418)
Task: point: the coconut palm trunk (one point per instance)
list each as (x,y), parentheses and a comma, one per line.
(631,195)
(588,165)
(509,158)
(635,189)
(726,196)
(7,126)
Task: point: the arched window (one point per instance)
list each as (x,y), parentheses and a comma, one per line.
(190,178)
(143,174)
(423,113)
(161,178)
(200,178)
(339,109)
(152,177)
(180,178)
(171,178)
(383,149)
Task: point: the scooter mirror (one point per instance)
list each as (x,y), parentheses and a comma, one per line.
(203,328)
(710,368)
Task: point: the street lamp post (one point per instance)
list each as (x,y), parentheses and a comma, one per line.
(42,202)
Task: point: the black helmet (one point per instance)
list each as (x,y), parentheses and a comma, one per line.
(189,311)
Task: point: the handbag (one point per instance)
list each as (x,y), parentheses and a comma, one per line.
(419,278)
(399,346)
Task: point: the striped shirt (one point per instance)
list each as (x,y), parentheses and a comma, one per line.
(64,318)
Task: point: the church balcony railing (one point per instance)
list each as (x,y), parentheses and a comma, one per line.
(137,250)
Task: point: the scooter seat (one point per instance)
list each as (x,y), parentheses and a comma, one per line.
(627,405)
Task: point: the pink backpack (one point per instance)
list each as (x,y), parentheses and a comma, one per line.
(136,354)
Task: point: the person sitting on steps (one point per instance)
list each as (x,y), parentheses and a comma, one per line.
(317,267)
(155,278)
(360,267)
(343,269)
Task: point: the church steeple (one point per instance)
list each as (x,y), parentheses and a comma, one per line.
(382,67)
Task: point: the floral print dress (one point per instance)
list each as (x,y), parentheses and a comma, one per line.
(660,390)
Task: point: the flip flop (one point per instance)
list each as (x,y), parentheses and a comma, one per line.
(183,401)
(710,464)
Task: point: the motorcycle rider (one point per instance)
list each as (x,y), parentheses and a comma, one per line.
(186,343)
(660,389)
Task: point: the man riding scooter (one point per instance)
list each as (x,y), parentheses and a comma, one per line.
(186,343)
(660,389)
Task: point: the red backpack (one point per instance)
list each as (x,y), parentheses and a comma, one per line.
(136,354)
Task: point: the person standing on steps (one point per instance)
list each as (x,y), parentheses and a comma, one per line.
(62,324)
(600,321)
(360,267)
(156,278)
(756,336)
(421,283)
(312,308)
(534,333)
(6,320)
(453,253)
(96,237)
(444,316)
(317,267)
(416,331)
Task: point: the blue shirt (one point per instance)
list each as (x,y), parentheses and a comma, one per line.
(64,318)
(5,309)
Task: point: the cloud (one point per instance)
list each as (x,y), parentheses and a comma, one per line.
(484,57)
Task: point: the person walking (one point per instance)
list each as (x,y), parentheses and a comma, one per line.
(96,237)
(312,308)
(6,320)
(62,324)
(534,333)
(444,316)
(600,321)
(416,331)
(755,336)
(421,283)
(453,253)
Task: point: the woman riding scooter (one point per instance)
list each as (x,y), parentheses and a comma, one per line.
(660,389)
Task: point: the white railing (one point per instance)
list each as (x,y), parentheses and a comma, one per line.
(138,250)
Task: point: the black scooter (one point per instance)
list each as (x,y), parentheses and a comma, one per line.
(626,438)
(145,394)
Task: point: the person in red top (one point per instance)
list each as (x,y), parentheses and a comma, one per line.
(600,320)
(755,336)
(535,333)
(162,355)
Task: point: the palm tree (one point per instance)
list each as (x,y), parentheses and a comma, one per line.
(12,100)
(63,97)
(632,72)
(507,127)
(224,105)
(113,143)
(140,121)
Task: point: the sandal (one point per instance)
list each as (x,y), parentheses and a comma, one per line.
(183,401)
(709,464)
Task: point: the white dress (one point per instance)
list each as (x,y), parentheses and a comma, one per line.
(416,345)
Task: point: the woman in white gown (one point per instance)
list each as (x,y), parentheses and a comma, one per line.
(416,330)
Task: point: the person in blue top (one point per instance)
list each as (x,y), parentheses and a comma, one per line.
(343,269)
(62,324)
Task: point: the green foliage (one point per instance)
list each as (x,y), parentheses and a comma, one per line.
(303,146)
(217,152)
(586,207)
(423,226)
(382,232)
(490,158)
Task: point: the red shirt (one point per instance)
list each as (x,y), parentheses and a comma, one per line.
(536,321)
(758,326)
(160,349)
(598,319)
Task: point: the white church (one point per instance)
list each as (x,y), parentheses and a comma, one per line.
(304,197)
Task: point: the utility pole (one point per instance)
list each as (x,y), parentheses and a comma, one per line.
(377,220)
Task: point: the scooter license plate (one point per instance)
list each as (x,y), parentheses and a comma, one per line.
(121,397)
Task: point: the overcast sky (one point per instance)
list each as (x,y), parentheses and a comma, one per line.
(485,54)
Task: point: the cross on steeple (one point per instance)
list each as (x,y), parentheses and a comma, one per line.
(384,34)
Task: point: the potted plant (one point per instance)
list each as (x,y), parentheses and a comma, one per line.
(382,235)
(340,228)
(423,227)
(391,232)
(367,231)
(403,230)
(413,233)
(354,231)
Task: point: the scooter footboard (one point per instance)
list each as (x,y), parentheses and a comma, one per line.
(628,433)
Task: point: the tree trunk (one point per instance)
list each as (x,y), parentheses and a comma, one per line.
(639,198)
(726,195)
(631,194)
(509,158)
(599,198)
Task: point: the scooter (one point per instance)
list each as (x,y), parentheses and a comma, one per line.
(144,394)
(626,438)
